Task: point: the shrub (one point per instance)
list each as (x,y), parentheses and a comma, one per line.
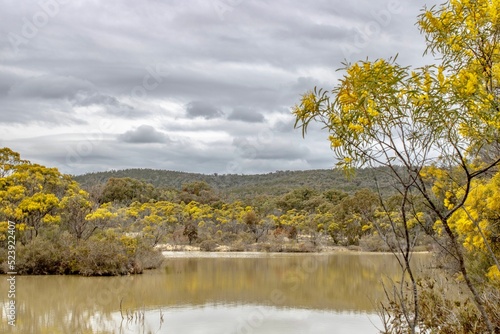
(41,257)
(229,237)
(3,261)
(373,243)
(148,257)
(104,256)
(208,245)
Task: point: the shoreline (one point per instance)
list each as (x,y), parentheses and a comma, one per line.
(252,249)
(182,251)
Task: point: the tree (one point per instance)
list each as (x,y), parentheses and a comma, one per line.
(353,214)
(198,191)
(8,161)
(191,232)
(155,220)
(55,221)
(445,115)
(100,218)
(75,207)
(478,224)
(127,190)
(30,194)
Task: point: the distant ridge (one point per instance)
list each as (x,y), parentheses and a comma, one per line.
(275,183)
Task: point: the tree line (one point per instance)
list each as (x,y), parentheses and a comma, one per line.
(44,202)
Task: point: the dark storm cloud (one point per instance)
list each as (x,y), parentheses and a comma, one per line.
(144,134)
(203,109)
(246,115)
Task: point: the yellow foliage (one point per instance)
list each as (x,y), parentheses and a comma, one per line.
(494,274)
(130,244)
(4,227)
(52,219)
(102,213)
(335,142)
(367,227)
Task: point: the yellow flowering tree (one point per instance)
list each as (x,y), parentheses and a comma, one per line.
(75,207)
(478,224)
(101,217)
(155,220)
(446,115)
(30,194)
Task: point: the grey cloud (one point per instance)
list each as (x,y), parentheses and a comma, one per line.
(282,150)
(252,62)
(97,99)
(110,104)
(50,87)
(272,149)
(246,114)
(37,111)
(144,134)
(203,109)
(7,79)
(284,126)
(305,83)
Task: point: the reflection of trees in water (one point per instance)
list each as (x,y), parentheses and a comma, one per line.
(338,282)
(65,304)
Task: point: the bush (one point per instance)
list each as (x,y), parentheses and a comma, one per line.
(104,256)
(239,245)
(443,309)
(373,243)
(41,257)
(208,245)
(3,261)
(148,257)
(354,248)
(300,247)
(229,237)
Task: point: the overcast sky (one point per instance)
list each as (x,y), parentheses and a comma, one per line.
(188,85)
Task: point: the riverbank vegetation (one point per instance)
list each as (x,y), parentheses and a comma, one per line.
(59,228)
(117,225)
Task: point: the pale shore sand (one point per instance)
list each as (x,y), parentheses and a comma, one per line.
(177,251)
(185,251)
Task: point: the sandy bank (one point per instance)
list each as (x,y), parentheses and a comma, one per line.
(173,251)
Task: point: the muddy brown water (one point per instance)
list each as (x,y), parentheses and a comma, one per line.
(211,293)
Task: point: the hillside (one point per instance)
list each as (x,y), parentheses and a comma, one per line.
(276,183)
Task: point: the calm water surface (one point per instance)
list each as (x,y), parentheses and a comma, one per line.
(207,293)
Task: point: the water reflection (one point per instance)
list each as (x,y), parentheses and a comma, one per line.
(208,293)
(243,319)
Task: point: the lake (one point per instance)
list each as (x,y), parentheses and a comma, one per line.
(219,293)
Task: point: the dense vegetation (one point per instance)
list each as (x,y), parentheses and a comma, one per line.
(59,229)
(282,211)
(115,223)
(242,187)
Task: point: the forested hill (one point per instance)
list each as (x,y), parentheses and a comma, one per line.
(276,183)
